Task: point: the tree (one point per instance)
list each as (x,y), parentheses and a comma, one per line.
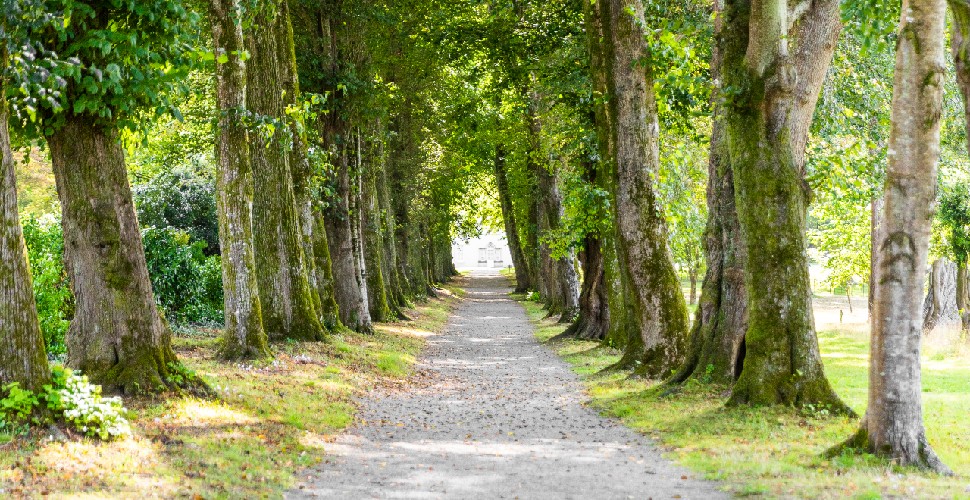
(112,61)
(289,302)
(22,356)
(243,336)
(893,423)
(772,69)
(656,300)
(717,334)
(954,216)
(522,273)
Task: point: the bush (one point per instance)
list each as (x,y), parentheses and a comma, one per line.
(82,406)
(71,397)
(55,302)
(187,283)
(183,199)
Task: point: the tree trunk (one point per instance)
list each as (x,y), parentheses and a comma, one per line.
(558,281)
(519,261)
(329,310)
(963,296)
(940,305)
(657,302)
(893,424)
(960,48)
(692,275)
(877,232)
(373,241)
(243,336)
(767,128)
(287,298)
(396,281)
(348,282)
(117,337)
(716,349)
(593,319)
(22,356)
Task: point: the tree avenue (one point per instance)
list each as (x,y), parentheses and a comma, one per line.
(624,149)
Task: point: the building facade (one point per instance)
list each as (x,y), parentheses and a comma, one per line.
(490,250)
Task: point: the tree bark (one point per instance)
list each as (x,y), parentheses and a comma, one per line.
(716,349)
(243,336)
(349,283)
(960,48)
(940,304)
(373,241)
(522,283)
(329,310)
(877,232)
(893,424)
(117,337)
(767,122)
(287,298)
(593,319)
(22,355)
(656,300)
(396,281)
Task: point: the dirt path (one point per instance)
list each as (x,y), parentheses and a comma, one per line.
(501,418)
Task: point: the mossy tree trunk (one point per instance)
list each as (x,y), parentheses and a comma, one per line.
(657,302)
(392,269)
(893,424)
(288,300)
(22,356)
(349,284)
(307,206)
(118,338)
(243,336)
(716,349)
(522,283)
(329,310)
(373,240)
(558,280)
(767,119)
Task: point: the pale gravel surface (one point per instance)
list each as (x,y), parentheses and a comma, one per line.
(501,417)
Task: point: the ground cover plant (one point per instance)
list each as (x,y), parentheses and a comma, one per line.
(267,423)
(778,451)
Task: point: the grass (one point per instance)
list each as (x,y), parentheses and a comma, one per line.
(270,422)
(775,451)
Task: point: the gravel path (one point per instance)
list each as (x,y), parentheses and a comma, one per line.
(501,417)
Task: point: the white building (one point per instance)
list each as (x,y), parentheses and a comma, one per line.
(488,250)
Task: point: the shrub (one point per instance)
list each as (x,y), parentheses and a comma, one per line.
(81,405)
(70,396)
(55,302)
(186,282)
(183,199)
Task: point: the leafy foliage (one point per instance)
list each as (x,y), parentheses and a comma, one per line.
(55,302)
(187,283)
(113,60)
(69,396)
(182,199)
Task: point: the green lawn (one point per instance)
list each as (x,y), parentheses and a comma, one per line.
(775,452)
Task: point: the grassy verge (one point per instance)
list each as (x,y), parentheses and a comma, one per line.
(271,420)
(775,452)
